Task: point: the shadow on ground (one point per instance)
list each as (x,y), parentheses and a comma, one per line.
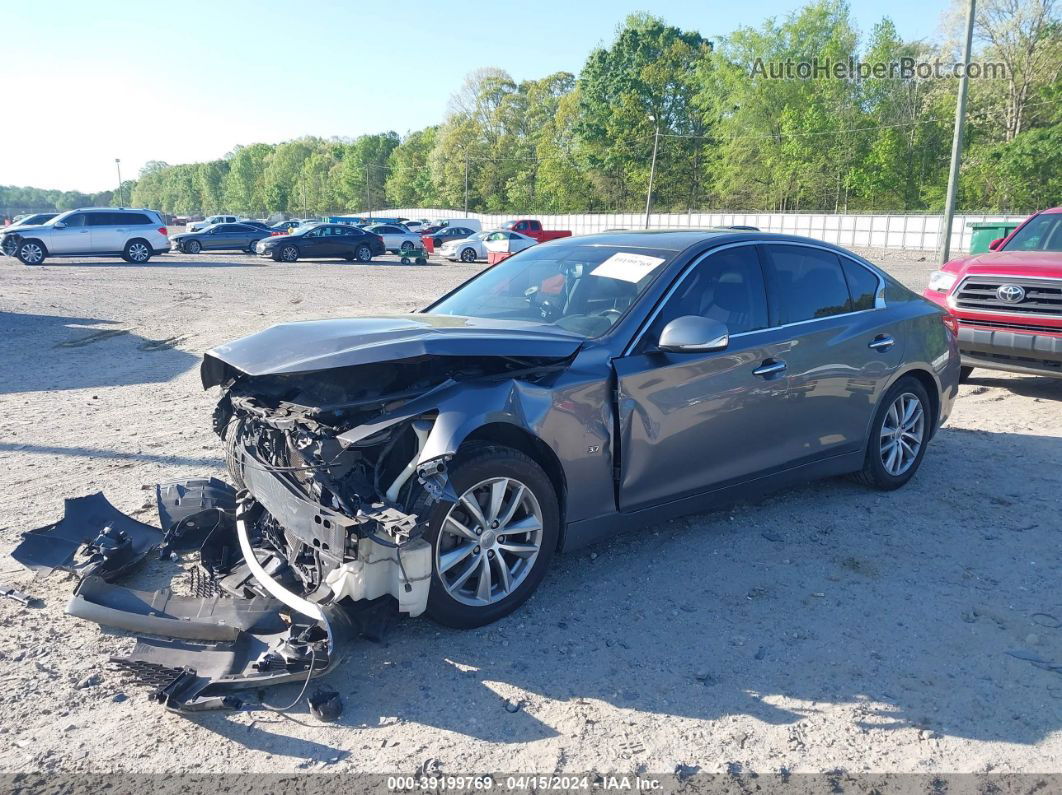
(53,352)
(914,608)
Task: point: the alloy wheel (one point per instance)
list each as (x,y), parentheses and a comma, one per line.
(363,254)
(31,253)
(902,434)
(489,541)
(289,254)
(468,255)
(138,252)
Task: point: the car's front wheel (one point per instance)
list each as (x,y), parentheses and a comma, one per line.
(468,255)
(406,247)
(137,252)
(192,247)
(898,436)
(30,252)
(491,548)
(289,254)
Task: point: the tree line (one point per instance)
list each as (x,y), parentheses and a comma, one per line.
(728,136)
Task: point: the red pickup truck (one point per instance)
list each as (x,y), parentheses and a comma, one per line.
(525,226)
(1008,301)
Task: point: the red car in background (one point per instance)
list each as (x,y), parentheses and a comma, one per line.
(1008,301)
(526,226)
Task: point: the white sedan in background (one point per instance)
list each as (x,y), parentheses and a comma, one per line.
(475,247)
(397,238)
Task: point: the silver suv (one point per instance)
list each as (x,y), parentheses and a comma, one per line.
(133,235)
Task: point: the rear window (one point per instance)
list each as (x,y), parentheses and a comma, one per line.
(863,285)
(805,283)
(1042,233)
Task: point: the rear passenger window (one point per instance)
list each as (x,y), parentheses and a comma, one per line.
(135,219)
(805,283)
(726,286)
(863,285)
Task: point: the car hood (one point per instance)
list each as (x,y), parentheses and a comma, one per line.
(23,229)
(1032,264)
(346,342)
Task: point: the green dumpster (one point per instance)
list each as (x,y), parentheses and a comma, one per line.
(984,232)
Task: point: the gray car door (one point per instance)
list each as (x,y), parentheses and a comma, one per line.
(690,422)
(842,346)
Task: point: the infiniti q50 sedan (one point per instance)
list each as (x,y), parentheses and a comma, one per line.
(581,387)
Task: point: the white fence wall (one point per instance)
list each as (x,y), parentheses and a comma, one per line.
(920,232)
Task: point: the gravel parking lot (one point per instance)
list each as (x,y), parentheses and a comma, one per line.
(825,627)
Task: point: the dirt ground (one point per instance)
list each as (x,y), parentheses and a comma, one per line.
(825,627)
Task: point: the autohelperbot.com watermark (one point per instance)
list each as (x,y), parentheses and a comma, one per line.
(851,69)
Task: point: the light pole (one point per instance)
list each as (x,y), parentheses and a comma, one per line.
(956,141)
(652,169)
(121,190)
(466,183)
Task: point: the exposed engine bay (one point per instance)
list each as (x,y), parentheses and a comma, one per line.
(337,475)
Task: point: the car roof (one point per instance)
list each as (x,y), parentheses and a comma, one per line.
(681,239)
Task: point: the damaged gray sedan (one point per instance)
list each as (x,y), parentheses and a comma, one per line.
(579,388)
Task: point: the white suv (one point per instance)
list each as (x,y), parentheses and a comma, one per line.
(133,235)
(214,219)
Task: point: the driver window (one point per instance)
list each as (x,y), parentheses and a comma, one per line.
(314,232)
(726,286)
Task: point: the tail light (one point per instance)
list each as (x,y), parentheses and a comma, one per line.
(164,231)
(951,323)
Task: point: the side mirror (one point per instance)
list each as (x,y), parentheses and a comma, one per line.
(59,225)
(693,334)
(996,243)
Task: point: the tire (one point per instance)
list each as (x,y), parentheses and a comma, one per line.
(363,253)
(192,247)
(468,255)
(137,251)
(964,374)
(31,252)
(476,471)
(406,247)
(9,247)
(879,471)
(289,253)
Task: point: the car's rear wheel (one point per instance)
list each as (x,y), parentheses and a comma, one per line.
(491,548)
(30,252)
(363,253)
(898,436)
(289,253)
(137,251)
(192,247)
(468,255)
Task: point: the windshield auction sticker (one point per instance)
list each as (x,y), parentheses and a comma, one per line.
(627,267)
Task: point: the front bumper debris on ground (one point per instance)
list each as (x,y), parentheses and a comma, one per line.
(197,652)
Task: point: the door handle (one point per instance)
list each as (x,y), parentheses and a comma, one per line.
(882,343)
(769,367)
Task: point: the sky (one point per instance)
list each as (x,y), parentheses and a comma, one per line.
(120,79)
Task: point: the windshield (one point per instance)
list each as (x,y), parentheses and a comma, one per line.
(580,288)
(1042,233)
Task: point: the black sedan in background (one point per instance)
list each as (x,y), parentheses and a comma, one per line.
(441,236)
(220,237)
(333,241)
